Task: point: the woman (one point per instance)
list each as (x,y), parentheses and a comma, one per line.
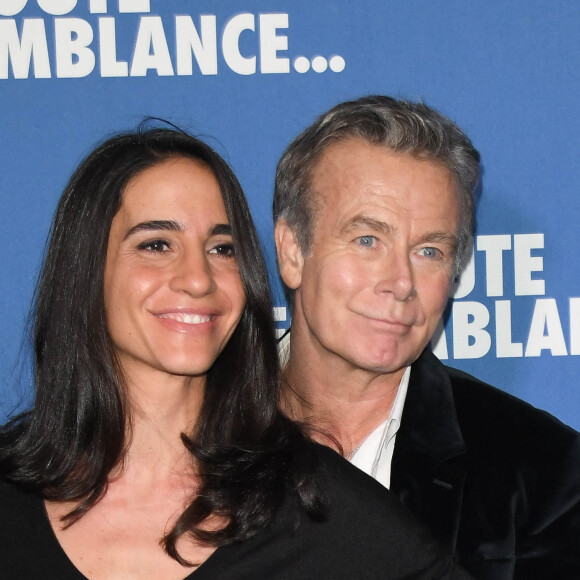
(154,446)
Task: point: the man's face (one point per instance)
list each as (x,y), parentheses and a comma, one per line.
(375,284)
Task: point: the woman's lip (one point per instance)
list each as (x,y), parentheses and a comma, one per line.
(187,317)
(188,323)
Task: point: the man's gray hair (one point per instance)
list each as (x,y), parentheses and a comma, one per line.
(401,126)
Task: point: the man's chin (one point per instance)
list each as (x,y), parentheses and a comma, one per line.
(386,360)
(381,364)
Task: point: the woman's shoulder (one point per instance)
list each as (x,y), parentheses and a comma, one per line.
(16,500)
(375,528)
(366,533)
(354,490)
(28,547)
(20,513)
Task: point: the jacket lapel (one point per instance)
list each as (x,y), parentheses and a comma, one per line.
(427,474)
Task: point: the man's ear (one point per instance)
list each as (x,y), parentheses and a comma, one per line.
(290,259)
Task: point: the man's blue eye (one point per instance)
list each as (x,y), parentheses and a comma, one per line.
(429,252)
(367,241)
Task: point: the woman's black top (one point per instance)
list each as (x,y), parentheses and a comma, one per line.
(368,535)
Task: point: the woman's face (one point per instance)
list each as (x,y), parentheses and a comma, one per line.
(173,293)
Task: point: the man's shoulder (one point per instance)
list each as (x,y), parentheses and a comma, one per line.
(485,409)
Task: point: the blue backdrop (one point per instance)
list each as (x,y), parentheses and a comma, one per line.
(248,75)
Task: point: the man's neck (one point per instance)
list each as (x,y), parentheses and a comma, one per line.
(334,397)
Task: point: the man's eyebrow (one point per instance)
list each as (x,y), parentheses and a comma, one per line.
(440,238)
(155,225)
(362,221)
(374,225)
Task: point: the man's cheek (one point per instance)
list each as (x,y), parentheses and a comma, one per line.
(345,275)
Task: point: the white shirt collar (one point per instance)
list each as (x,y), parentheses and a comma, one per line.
(284,349)
(375,454)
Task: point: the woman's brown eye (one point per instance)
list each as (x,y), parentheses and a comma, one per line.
(227,250)
(154,246)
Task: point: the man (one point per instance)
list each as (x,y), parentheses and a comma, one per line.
(374,216)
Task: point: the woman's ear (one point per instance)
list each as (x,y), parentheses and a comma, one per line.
(290,259)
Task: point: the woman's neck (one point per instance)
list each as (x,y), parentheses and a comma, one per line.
(160,411)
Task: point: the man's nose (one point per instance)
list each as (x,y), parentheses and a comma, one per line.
(396,276)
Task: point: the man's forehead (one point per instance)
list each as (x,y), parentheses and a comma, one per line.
(346,198)
(343,160)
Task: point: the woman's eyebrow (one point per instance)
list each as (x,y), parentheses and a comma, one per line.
(155,225)
(221,229)
(173,226)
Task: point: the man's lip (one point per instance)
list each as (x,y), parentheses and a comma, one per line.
(389,322)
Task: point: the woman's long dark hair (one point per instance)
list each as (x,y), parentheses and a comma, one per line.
(65,447)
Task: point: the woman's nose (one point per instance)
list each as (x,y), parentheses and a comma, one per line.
(193,274)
